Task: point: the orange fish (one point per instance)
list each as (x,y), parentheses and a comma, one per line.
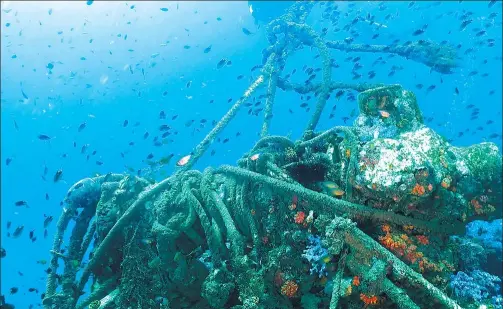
(183,160)
(337,192)
(331,188)
(384,114)
(356,281)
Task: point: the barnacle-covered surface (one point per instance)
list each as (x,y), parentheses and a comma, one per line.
(368,215)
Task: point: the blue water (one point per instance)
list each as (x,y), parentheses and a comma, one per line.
(91,81)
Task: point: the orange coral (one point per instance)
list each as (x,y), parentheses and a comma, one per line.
(299,217)
(386,228)
(356,281)
(408,228)
(413,256)
(418,190)
(446,182)
(481,208)
(398,246)
(425,264)
(348,153)
(423,239)
(289,288)
(369,300)
(476,206)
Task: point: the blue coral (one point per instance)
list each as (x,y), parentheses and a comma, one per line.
(476,285)
(488,233)
(315,254)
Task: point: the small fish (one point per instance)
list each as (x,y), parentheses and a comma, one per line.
(125,123)
(166,160)
(58,175)
(246,31)
(82,127)
(164,9)
(24,94)
(21,203)
(255,157)
(327,259)
(44,137)
(464,24)
(18,231)
(384,114)
(331,188)
(8,161)
(207,49)
(48,221)
(84,148)
(47,196)
(339,94)
(148,241)
(221,63)
(183,161)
